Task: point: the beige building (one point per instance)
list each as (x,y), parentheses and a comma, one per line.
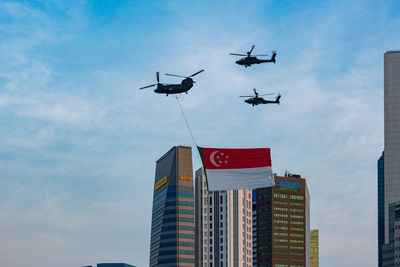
(223,226)
(314,248)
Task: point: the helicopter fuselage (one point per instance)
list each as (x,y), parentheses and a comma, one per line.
(170,89)
(248,61)
(259,100)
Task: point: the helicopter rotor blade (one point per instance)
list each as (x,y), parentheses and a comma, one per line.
(251,50)
(234,54)
(194,74)
(255,92)
(158,77)
(266,94)
(260,55)
(175,75)
(246,96)
(141,88)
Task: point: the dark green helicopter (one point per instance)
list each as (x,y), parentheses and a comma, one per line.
(249,60)
(169,89)
(256,100)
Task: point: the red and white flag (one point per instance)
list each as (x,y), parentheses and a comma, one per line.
(237,168)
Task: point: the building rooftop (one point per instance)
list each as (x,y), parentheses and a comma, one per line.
(392,51)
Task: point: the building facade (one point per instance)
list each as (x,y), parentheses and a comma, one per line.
(391,249)
(172,225)
(392,132)
(381,207)
(223,226)
(282,223)
(389,162)
(314,248)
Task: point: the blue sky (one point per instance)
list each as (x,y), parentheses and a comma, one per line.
(78,141)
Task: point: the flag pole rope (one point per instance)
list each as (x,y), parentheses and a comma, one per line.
(187,123)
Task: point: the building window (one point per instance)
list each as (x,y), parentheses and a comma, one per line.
(297,197)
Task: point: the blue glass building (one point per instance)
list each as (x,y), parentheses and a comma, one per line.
(172,225)
(381,207)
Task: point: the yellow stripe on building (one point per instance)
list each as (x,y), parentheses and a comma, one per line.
(186,178)
(161,182)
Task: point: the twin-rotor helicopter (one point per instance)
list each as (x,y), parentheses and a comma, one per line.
(170,89)
(187,82)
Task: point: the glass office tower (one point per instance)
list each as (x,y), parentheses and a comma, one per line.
(392,132)
(172,225)
(381,207)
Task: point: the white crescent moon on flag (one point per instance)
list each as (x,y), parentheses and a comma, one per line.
(213,160)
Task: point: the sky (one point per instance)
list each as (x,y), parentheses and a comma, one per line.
(79,141)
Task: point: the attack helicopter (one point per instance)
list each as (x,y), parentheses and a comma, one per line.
(256,99)
(249,59)
(169,89)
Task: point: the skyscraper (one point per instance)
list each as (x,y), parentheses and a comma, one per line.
(172,225)
(392,132)
(389,162)
(381,208)
(282,223)
(223,226)
(314,248)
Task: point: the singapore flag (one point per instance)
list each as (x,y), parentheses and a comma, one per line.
(237,168)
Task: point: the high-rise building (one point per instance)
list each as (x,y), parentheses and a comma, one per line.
(392,132)
(314,248)
(391,249)
(389,164)
(172,225)
(223,226)
(381,208)
(282,223)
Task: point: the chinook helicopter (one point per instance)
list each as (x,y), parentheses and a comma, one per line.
(249,59)
(169,89)
(256,100)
